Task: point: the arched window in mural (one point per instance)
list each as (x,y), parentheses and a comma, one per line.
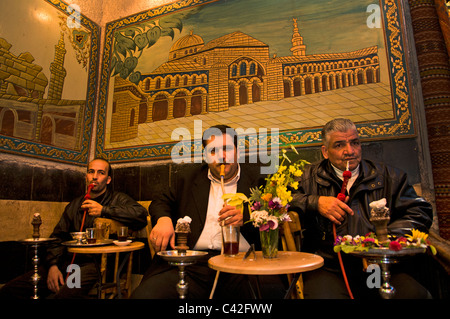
(160,108)
(194,79)
(360,77)
(47,130)
(343,80)
(243,94)
(286,89)
(369,76)
(234,70)
(316,85)
(179,105)
(337,81)
(142,112)
(252,68)
(8,123)
(132,115)
(256,92)
(308,85)
(297,87)
(158,84)
(168,82)
(243,69)
(231,96)
(324,82)
(185,80)
(196,102)
(177,81)
(331,82)
(147,84)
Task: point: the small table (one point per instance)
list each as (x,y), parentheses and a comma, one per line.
(107,250)
(287,262)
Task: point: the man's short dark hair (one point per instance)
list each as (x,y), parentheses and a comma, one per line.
(106,161)
(223,129)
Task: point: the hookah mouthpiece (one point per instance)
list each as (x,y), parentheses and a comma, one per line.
(88,193)
(347,175)
(222,171)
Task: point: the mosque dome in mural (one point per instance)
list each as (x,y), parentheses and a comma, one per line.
(186,45)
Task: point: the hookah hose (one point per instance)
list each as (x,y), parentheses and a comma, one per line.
(86,197)
(341,196)
(222,176)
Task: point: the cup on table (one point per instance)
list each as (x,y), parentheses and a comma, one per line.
(122,233)
(102,231)
(230,240)
(91,235)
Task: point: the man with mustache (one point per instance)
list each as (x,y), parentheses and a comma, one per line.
(104,202)
(196,192)
(317,203)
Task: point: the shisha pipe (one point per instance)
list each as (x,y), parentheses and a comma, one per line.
(86,197)
(222,177)
(341,196)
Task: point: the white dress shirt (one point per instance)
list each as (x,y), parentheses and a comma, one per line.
(211,236)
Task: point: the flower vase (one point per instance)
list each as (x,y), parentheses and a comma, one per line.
(269,243)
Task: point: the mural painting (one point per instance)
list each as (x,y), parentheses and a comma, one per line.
(251,64)
(47,80)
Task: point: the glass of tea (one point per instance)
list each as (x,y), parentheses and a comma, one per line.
(230,240)
(122,233)
(91,235)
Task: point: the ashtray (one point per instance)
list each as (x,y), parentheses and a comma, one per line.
(122,243)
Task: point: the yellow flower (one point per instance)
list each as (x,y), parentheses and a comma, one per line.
(284,195)
(417,236)
(298,173)
(266,197)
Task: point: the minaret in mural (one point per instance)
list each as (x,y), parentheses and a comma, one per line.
(298,48)
(57,71)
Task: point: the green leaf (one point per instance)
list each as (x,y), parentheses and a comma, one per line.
(141,41)
(348,249)
(118,68)
(123,44)
(124,72)
(169,22)
(130,63)
(153,35)
(433,249)
(135,77)
(168,32)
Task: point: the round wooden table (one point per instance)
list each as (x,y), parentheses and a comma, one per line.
(108,249)
(287,262)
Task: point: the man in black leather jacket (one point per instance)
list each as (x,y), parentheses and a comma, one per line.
(316,200)
(103,203)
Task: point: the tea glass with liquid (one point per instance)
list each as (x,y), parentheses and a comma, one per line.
(230,240)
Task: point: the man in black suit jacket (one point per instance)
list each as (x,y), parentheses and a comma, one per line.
(195,193)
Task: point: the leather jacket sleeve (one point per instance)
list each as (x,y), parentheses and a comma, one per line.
(377,181)
(116,205)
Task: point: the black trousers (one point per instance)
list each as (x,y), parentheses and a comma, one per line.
(161,279)
(22,287)
(328,283)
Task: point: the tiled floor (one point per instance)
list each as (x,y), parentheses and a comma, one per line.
(370,102)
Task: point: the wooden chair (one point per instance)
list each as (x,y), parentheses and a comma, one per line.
(149,230)
(110,289)
(149,227)
(291,236)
